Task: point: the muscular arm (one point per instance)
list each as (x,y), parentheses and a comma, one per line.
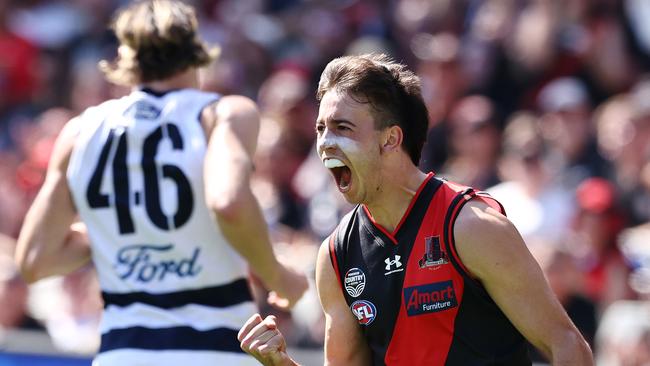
(48,245)
(227,171)
(494,252)
(344,343)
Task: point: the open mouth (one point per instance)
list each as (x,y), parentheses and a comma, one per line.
(341,173)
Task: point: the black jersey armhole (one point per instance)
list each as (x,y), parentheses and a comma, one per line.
(338,245)
(449,241)
(485,196)
(333,258)
(453,211)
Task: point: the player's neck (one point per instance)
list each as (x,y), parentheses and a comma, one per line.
(398,189)
(186,79)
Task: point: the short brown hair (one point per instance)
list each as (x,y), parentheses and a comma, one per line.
(393,91)
(158,39)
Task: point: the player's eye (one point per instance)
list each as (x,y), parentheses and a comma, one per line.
(320,128)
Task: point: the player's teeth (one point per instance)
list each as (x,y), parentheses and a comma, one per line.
(333,163)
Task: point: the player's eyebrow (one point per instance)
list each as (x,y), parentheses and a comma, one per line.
(339,121)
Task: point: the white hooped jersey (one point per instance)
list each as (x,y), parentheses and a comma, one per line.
(174,290)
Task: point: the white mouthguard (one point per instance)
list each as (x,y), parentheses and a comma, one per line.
(333,163)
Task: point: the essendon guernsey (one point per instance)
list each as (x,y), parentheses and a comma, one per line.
(414,300)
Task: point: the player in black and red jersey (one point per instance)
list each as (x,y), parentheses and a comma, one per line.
(422,271)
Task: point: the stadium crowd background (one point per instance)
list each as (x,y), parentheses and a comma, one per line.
(544,103)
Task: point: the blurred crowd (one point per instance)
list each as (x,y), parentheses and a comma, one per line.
(543,103)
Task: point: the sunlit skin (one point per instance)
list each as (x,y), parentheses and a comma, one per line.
(384,179)
(346,131)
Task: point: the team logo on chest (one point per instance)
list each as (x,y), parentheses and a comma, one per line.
(365,311)
(393,265)
(354,281)
(434,256)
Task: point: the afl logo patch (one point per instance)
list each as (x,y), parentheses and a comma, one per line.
(365,311)
(355,282)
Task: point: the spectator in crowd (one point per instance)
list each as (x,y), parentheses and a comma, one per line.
(622,337)
(567,280)
(157,272)
(18,65)
(566,127)
(593,238)
(632,173)
(475,140)
(568,77)
(539,207)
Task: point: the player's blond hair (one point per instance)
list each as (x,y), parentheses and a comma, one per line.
(158,39)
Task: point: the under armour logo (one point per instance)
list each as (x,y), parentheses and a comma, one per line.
(393,263)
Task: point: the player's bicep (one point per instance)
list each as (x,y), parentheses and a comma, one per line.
(494,252)
(231,144)
(344,342)
(237,118)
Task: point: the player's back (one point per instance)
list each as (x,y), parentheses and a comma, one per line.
(169,279)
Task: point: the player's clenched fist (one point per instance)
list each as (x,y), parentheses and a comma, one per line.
(262,339)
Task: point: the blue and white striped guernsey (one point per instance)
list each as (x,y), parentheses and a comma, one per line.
(175,292)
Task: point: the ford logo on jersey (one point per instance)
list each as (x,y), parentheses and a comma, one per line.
(365,311)
(139,262)
(429,298)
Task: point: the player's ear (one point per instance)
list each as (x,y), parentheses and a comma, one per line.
(391,138)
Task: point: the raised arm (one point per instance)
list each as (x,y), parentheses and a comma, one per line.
(233,125)
(48,245)
(494,252)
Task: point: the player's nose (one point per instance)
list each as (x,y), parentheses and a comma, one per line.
(326,141)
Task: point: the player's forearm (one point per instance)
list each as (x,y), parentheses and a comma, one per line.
(38,258)
(242,223)
(228,167)
(59,265)
(571,350)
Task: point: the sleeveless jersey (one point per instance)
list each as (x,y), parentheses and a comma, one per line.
(174,290)
(414,300)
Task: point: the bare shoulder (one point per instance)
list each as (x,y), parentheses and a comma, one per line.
(65,143)
(235,107)
(486,240)
(228,108)
(477,218)
(327,285)
(324,269)
(237,102)
(71,129)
